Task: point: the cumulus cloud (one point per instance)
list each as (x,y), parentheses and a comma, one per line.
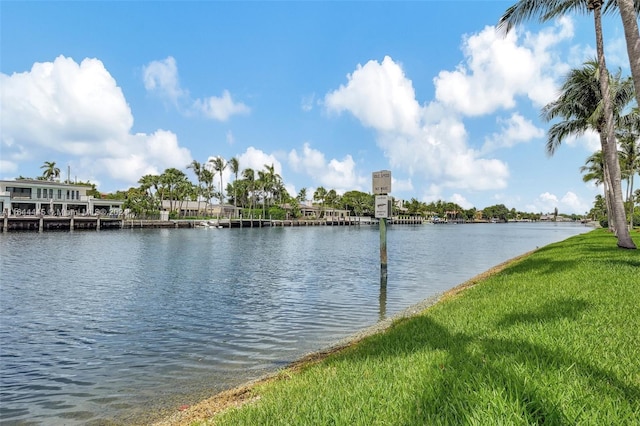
(379,95)
(425,140)
(513,130)
(161,78)
(430,140)
(257,159)
(78,109)
(336,174)
(498,68)
(220,108)
(569,203)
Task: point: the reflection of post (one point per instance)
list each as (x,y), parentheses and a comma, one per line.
(383,295)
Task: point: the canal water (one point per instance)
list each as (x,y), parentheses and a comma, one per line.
(113,327)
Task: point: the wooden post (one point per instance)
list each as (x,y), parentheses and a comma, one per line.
(382,313)
(383,246)
(5,221)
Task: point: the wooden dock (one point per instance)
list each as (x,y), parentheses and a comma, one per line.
(71,223)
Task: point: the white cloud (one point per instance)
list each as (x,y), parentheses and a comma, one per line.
(340,175)
(230,138)
(7,167)
(569,203)
(516,129)
(220,108)
(78,109)
(497,69)
(590,141)
(379,95)
(307,102)
(425,140)
(257,159)
(461,201)
(161,77)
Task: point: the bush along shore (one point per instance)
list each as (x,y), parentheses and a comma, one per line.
(552,338)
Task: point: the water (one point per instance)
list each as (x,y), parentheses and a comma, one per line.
(122,326)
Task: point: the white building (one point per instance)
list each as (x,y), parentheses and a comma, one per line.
(33,197)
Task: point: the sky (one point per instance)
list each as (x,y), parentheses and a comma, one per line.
(327,92)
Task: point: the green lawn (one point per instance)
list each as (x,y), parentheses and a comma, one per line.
(554,338)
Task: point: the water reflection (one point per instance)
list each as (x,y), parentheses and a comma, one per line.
(383,295)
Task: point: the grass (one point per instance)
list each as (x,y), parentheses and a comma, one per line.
(552,339)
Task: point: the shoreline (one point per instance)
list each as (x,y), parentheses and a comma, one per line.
(240,395)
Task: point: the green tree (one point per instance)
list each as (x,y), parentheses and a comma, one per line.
(498,212)
(580,107)
(359,203)
(197,168)
(319,195)
(234,164)
(547,10)
(174,185)
(249,176)
(51,172)
(629,138)
(219,165)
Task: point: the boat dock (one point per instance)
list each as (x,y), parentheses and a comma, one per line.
(42,223)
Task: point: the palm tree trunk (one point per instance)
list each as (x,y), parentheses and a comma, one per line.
(632,37)
(630,200)
(608,195)
(609,149)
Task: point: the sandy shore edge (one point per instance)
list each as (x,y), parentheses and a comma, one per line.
(240,395)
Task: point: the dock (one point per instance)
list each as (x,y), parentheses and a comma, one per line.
(41,223)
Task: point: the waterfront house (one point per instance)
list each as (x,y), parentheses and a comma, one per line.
(28,197)
(188,208)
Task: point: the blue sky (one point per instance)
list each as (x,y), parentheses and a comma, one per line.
(328,92)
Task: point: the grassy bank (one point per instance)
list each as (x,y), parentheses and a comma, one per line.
(554,338)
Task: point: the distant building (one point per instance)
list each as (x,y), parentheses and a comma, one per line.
(200,208)
(26,197)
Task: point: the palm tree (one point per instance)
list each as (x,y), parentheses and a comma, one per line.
(580,106)
(218,166)
(320,194)
(594,171)
(234,164)
(197,168)
(629,14)
(51,172)
(630,159)
(207,179)
(547,10)
(249,175)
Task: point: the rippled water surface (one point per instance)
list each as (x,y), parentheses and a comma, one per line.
(125,325)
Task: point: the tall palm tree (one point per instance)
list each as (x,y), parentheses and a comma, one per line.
(547,10)
(234,164)
(218,166)
(51,172)
(249,175)
(630,159)
(629,14)
(197,168)
(594,171)
(207,179)
(579,105)
(320,194)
